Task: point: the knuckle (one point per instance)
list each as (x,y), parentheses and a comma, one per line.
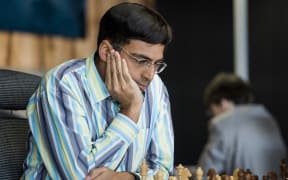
(123,87)
(115,89)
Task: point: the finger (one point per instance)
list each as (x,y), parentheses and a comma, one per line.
(107,174)
(115,82)
(125,71)
(108,69)
(119,68)
(95,173)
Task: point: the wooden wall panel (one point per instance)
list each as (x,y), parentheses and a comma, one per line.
(84,47)
(56,50)
(4,48)
(25,51)
(39,53)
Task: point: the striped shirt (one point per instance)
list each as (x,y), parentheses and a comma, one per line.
(76,126)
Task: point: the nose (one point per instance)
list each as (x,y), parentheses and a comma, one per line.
(148,73)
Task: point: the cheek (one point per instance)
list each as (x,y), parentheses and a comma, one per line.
(132,71)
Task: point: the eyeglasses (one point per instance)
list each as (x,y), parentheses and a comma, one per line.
(159,65)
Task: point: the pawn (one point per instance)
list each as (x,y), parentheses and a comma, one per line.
(211,174)
(272,175)
(241,174)
(144,170)
(225,177)
(247,174)
(159,175)
(172,178)
(199,173)
(283,169)
(254,177)
(248,171)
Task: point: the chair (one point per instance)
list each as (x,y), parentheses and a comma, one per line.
(15,90)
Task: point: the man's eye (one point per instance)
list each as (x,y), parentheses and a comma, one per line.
(142,61)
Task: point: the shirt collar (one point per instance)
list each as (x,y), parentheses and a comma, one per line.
(99,90)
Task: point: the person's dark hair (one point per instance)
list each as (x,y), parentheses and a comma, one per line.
(127,21)
(230,87)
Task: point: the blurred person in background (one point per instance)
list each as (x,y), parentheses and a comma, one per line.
(242,134)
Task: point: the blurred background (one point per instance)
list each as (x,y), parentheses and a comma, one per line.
(37,35)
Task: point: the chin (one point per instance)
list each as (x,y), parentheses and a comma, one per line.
(142,90)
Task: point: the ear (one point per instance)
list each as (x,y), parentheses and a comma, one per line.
(104,48)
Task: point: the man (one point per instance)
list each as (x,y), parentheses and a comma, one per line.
(242,134)
(100,117)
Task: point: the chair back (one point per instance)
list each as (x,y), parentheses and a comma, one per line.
(15,90)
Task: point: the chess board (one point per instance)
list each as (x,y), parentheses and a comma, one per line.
(183,173)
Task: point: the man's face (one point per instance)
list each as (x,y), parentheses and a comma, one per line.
(140,72)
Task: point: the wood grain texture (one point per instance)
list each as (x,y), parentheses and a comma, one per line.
(36,52)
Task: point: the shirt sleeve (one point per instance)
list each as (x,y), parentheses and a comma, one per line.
(161,150)
(60,127)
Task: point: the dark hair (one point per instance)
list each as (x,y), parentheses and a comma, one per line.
(230,87)
(127,21)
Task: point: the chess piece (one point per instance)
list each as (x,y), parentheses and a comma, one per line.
(247,174)
(225,177)
(235,174)
(159,175)
(180,170)
(186,174)
(272,175)
(144,170)
(172,178)
(241,174)
(283,169)
(211,174)
(254,177)
(183,173)
(199,173)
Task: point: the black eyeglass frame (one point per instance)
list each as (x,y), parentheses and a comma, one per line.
(160,65)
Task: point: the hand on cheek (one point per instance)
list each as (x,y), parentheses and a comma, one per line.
(122,87)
